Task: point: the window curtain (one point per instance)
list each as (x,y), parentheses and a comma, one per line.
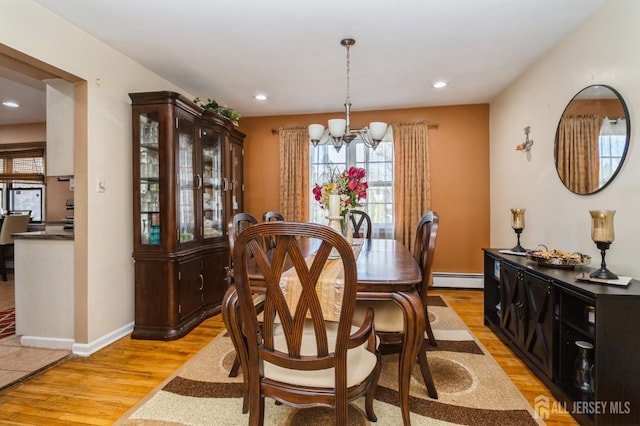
(412,180)
(294,173)
(577,156)
(22,166)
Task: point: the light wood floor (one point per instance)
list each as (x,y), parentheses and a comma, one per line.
(97,390)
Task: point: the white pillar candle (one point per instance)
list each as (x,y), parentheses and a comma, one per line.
(334,205)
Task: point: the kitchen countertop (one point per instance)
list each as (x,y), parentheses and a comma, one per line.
(45,235)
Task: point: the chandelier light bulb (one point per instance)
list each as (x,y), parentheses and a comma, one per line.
(315,132)
(337,127)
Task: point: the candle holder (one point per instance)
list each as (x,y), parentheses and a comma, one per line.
(602,234)
(517,223)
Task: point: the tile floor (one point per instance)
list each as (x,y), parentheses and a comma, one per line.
(19,362)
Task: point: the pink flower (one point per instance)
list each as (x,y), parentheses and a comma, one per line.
(356,173)
(317,192)
(361,189)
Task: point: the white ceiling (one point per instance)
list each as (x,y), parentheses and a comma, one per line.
(28,93)
(290,49)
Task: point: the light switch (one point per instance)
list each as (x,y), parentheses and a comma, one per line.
(102,185)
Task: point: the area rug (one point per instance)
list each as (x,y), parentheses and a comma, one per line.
(7,322)
(472,389)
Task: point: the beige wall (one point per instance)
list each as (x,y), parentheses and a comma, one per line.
(57,193)
(603,50)
(103,246)
(459,156)
(23,133)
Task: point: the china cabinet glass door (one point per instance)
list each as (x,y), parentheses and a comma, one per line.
(236,178)
(212,202)
(149,179)
(186,187)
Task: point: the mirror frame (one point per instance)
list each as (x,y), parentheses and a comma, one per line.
(626,145)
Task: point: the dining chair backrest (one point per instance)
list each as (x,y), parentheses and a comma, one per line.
(238,223)
(13,224)
(291,346)
(361,224)
(272,216)
(424,249)
(289,249)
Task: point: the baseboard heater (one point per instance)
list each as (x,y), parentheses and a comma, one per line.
(457,280)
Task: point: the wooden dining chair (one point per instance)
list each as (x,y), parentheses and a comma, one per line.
(361,224)
(11,224)
(238,223)
(294,354)
(271,216)
(389,316)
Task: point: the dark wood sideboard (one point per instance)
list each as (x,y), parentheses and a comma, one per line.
(541,312)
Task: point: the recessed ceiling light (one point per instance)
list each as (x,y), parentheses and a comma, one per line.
(260,97)
(439,84)
(11,104)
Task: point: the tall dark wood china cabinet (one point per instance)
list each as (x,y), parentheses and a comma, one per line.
(187,184)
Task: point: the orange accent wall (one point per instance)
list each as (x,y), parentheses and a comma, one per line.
(611,108)
(459,160)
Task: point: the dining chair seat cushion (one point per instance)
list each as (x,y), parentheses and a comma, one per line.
(388,315)
(360,361)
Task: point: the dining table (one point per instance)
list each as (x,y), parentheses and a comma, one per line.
(387,270)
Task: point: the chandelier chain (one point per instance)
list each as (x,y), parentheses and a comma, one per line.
(348,72)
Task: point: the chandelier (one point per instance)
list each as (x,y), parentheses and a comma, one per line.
(339,131)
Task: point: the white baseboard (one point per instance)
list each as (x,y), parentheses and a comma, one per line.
(457,280)
(86,349)
(81,349)
(46,342)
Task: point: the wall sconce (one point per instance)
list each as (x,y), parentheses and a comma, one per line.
(526,146)
(517,223)
(602,234)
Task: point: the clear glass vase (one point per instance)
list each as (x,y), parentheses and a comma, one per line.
(347,229)
(584,367)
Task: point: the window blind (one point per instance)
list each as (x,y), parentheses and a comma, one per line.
(22,166)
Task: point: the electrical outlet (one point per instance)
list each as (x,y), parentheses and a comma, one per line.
(102,185)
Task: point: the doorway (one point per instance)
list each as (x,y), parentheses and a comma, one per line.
(21,72)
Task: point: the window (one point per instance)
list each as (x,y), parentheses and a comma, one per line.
(26,197)
(612,141)
(379,167)
(22,180)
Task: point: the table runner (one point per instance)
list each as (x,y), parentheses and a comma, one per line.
(329,286)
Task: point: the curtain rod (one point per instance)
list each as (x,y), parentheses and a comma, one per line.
(429,125)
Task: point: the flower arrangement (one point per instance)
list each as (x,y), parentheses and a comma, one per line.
(223,110)
(348,184)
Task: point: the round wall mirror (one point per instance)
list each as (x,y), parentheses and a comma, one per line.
(592,139)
